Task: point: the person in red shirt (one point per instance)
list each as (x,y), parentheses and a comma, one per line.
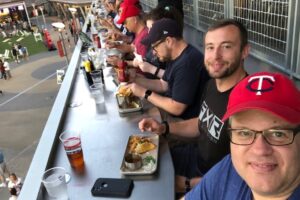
(131,17)
(2,70)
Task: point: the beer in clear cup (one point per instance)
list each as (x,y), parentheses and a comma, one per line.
(72,144)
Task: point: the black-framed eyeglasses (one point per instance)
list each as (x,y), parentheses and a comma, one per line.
(154,46)
(275,137)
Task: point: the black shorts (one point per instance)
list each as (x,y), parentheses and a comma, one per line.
(186,161)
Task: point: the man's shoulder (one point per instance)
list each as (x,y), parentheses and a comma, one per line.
(296,194)
(192,49)
(221,182)
(190,56)
(211,85)
(143,33)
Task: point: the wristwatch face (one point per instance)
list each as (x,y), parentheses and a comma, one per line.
(147,93)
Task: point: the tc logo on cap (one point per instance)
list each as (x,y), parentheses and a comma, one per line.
(265,84)
(165,32)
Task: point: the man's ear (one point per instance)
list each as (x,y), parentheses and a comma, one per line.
(245,51)
(135,20)
(168,40)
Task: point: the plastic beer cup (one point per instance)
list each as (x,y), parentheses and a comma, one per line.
(72,144)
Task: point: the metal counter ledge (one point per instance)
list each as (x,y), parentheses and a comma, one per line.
(104,135)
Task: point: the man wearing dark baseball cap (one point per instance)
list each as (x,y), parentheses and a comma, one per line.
(162,29)
(184,77)
(264,116)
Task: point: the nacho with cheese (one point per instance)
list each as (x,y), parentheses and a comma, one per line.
(140,145)
(124,91)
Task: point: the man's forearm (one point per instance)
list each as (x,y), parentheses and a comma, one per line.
(167,104)
(186,128)
(126,48)
(150,84)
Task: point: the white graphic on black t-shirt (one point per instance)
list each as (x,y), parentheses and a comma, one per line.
(212,122)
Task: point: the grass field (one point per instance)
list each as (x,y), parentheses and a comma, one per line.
(33,47)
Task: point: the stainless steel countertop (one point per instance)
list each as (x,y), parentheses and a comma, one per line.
(104,135)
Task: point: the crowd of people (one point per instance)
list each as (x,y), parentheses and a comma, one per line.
(232,135)
(18,52)
(12,182)
(10,27)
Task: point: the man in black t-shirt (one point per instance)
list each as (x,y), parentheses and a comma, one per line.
(184,77)
(226,47)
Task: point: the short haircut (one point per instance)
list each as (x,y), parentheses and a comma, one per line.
(227,22)
(165,12)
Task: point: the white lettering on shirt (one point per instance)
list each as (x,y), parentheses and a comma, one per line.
(212,122)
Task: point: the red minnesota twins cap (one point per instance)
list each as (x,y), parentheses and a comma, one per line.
(128,11)
(129,2)
(270,92)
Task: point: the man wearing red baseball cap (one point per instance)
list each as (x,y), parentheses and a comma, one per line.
(133,22)
(128,10)
(264,116)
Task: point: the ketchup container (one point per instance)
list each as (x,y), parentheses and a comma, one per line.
(122,71)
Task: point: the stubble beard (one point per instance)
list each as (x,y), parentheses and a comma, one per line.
(229,70)
(166,58)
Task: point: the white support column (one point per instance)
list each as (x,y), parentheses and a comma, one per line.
(24,5)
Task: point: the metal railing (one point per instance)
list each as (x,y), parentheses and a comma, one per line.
(267,24)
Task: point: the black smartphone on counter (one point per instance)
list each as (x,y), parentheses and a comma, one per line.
(112,187)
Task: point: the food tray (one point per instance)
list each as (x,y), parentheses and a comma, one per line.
(134,105)
(145,169)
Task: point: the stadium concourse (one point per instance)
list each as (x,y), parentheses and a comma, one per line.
(25,104)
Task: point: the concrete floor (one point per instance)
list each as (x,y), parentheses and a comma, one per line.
(25,105)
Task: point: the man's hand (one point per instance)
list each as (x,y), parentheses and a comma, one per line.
(151,125)
(113,60)
(137,90)
(132,74)
(180,183)
(115,35)
(106,23)
(109,44)
(110,6)
(146,67)
(136,62)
